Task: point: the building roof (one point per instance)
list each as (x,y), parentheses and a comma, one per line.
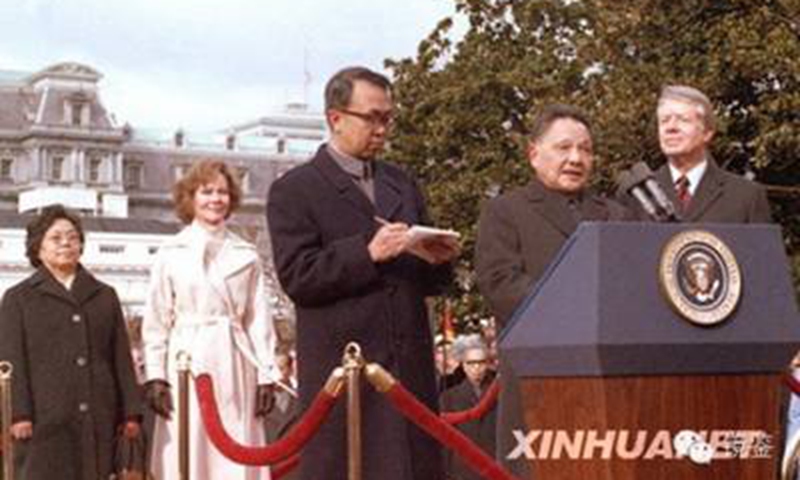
(12,77)
(11,220)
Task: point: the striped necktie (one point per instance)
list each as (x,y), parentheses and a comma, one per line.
(682,191)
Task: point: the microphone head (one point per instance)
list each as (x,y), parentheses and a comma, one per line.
(624,181)
(641,172)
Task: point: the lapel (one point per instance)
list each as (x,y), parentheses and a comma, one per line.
(552,206)
(83,287)
(388,191)
(664,178)
(344,185)
(235,255)
(709,190)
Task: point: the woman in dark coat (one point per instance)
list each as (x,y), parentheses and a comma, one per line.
(74,383)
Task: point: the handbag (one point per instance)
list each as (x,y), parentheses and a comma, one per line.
(130,458)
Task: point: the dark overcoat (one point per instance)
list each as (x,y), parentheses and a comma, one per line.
(481,431)
(320,223)
(521,231)
(519,234)
(73,374)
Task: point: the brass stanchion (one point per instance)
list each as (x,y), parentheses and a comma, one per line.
(352,363)
(184,374)
(791,458)
(6,370)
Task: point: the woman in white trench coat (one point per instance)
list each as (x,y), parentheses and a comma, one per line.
(207,298)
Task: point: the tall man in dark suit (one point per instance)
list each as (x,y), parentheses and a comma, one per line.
(701,190)
(521,231)
(339,227)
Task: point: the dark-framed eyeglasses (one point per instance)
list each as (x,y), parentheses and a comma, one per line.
(375,119)
(475,363)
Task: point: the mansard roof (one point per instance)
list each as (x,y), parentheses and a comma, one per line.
(67,70)
(13,220)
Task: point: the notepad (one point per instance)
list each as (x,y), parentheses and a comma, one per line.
(419,235)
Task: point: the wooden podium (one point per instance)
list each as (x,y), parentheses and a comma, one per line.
(610,373)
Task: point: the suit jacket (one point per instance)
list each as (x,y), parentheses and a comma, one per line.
(320,224)
(721,197)
(520,232)
(73,374)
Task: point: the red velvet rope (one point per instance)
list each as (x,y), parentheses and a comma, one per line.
(284,467)
(300,433)
(794,384)
(486,403)
(446,434)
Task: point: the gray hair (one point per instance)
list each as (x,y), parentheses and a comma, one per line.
(685,93)
(465,343)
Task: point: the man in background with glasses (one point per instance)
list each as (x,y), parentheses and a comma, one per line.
(339,226)
(473,353)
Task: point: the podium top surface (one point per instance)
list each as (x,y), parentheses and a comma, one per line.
(600,309)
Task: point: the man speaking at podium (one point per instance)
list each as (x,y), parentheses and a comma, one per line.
(521,231)
(701,191)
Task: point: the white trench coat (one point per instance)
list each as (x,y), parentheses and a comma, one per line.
(215,309)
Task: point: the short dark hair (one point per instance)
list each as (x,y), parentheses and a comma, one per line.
(38,227)
(551,113)
(339,89)
(197,176)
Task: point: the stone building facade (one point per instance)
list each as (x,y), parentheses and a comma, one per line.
(59,144)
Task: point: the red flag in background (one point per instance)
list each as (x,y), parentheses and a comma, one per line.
(447,328)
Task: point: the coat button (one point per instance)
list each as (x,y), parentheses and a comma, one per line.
(81,361)
(83,407)
(76,318)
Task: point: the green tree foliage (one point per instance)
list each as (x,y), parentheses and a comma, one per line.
(463,104)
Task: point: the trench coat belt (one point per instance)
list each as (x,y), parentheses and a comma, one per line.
(230,392)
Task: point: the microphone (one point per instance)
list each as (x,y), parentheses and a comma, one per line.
(641,170)
(633,186)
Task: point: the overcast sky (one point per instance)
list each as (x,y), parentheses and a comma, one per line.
(204,64)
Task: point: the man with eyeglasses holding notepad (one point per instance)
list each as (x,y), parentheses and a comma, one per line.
(348,254)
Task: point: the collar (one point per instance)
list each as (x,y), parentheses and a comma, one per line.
(694,175)
(355,167)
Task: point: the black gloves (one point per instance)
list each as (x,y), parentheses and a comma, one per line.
(265,399)
(157,395)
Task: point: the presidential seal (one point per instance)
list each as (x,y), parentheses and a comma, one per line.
(700,277)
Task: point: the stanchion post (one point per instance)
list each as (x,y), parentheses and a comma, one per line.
(791,458)
(353,363)
(184,374)
(6,371)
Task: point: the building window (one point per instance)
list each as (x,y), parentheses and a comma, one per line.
(6,167)
(180,170)
(242,177)
(77,114)
(57,168)
(112,248)
(95,165)
(132,175)
(152,250)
